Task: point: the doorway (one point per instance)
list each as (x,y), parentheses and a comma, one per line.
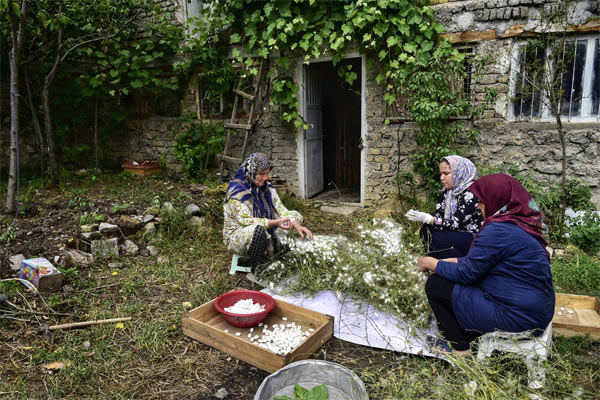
(332,143)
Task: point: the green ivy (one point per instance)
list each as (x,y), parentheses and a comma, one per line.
(401,37)
(198,146)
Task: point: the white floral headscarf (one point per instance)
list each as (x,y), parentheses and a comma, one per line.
(464,174)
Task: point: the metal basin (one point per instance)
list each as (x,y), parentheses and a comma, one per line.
(342,383)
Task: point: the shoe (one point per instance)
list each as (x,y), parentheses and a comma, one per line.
(442,346)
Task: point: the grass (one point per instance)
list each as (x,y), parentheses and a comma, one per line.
(150,358)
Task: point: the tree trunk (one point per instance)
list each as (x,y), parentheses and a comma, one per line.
(54,178)
(36,126)
(96,134)
(17,39)
(563,181)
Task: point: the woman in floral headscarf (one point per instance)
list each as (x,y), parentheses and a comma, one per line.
(253,211)
(449,231)
(504,282)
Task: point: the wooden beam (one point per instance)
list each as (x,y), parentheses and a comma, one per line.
(592,25)
(470,36)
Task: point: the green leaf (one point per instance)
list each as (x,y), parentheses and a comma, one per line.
(391,41)
(136,84)
(318,393)
(235,38)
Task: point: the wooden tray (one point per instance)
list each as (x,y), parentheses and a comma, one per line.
(584,319)
(147,167)
(206,325)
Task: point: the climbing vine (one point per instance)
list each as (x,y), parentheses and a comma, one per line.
(400,37)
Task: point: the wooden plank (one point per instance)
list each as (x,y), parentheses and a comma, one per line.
(470,36)
(576,301)
(243,94)
(224,158)
(230,125)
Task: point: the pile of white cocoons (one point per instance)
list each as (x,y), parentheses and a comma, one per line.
(282,338)
(246,306)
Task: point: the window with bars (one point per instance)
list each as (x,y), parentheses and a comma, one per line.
(580,83)
(211,105)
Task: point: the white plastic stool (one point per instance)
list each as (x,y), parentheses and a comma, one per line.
(238,268)
(534,349)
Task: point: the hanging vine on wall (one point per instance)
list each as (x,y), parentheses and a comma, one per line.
(401,37)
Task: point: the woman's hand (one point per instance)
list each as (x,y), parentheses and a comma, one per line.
(283,223)
(427,263)
(419,216)
(302,230)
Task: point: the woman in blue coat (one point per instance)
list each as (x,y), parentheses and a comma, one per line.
(504,282)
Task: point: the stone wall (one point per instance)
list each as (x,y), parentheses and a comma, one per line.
(489,27)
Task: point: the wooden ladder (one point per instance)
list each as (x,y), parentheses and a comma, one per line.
(232,126)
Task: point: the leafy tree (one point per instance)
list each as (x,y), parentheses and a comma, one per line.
(545,75)
(17,15)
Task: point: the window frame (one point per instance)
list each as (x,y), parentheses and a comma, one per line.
(586,115)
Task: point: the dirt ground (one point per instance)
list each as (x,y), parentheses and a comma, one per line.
(149,357)
(177,367)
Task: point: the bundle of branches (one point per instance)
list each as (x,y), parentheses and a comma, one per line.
(377,268)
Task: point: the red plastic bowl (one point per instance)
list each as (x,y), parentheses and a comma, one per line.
(244,320)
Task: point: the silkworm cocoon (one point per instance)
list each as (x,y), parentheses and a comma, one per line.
(226,331)
(560,313)
(237,334)
(284,319)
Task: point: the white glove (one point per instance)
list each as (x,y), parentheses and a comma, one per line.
(419,216)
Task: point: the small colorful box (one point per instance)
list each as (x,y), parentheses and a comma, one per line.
(42,274)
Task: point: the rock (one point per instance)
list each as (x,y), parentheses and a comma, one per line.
(559,252)
(162,259)
(153,250)
(129,248)
(75,258)
(192,209)
(197,221)
(68,289)
(57,260)
(150,229)
(107,228)
(147,218)
(130,222)
(105,248)
(86,344)
(114,265)
(91,235)
(152,210)
(82,171)
(15,261)
(88,227)
(221,393)
(168,206)
(197,188)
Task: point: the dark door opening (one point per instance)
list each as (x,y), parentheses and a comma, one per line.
(341,122)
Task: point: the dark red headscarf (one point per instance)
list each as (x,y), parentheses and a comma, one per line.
(506,200)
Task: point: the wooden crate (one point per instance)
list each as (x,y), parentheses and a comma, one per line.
(584,319)
(207,325)
(147,167)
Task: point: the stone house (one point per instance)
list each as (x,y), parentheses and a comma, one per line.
(352,150)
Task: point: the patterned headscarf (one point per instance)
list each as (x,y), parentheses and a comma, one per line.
(464,174)
(242,187)
(505,199)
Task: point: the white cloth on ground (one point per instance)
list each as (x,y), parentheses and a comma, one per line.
(360,322)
